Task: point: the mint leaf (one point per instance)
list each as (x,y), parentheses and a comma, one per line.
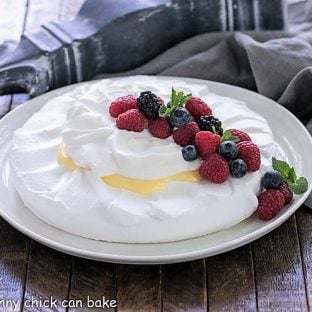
(162,109)
(227,136)
(292,177)
(300,186)
(177,100)
(297,186)
(282,167)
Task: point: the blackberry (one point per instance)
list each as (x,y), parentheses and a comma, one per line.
(210,123)
(149,104)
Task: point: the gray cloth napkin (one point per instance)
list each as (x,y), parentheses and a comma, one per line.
(275,64)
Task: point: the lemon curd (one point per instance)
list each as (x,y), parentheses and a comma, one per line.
(139,186)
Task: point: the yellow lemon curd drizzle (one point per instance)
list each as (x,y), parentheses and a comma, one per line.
(139,186)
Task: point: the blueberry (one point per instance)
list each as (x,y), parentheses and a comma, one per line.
(238,168)
(228,149)
(272,180)
(180,117)
(189,152)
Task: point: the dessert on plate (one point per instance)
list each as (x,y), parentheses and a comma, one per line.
(146,160)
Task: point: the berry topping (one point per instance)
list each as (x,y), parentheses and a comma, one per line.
(176,101)
(250,153)
(243,136)
(238,168)
(207,143)
(295,184)
(272,180)
(214,169)
(149,104)
(122,104)
(288,194)
(180,117)
(185,135)
(197,108)
(160,128)
(228,149)
(189,152)
(210,123)
(131,120)
(270,204)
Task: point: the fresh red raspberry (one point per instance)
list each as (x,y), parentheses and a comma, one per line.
(197,107)
(160,127)
(214,169)
(122,104)
(243,136)
(207,143)
(270,204)
(250,153)
(132,120)
(186,134)
(288,194)
(160,100)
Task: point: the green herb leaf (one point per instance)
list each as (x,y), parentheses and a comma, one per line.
(162,109)
(297,186)
(227,136)
(282,167)
(292,177)
(177,100)
(300,186)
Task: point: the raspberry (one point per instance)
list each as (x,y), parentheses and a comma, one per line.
(132,120)
(214,169)
(160,128)
(270,204)
(186,134)
(122,104)
(288,194)
(243,136)
(250,153)
(207,143)
(197,107)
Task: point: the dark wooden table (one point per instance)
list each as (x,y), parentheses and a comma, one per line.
(272,274)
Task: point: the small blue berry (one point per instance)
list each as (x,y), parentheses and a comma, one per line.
(228,149)
(180,117)
(238,168)
(272,180)
(189,152)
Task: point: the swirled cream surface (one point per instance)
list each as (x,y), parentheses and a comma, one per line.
(71,167)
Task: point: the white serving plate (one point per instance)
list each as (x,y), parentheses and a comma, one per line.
(290,134)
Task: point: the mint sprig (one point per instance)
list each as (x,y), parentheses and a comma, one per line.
(296,185)
(227,136)
(177,100)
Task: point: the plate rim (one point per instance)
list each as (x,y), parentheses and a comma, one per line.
(161,259)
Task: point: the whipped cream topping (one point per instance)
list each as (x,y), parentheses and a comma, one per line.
(80,203)
(93,141)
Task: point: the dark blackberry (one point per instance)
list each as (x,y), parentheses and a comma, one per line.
(210,123)
(149,104)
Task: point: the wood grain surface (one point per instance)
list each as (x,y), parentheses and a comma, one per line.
(226,274)
(278,270)
(272,274)
(139,284)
